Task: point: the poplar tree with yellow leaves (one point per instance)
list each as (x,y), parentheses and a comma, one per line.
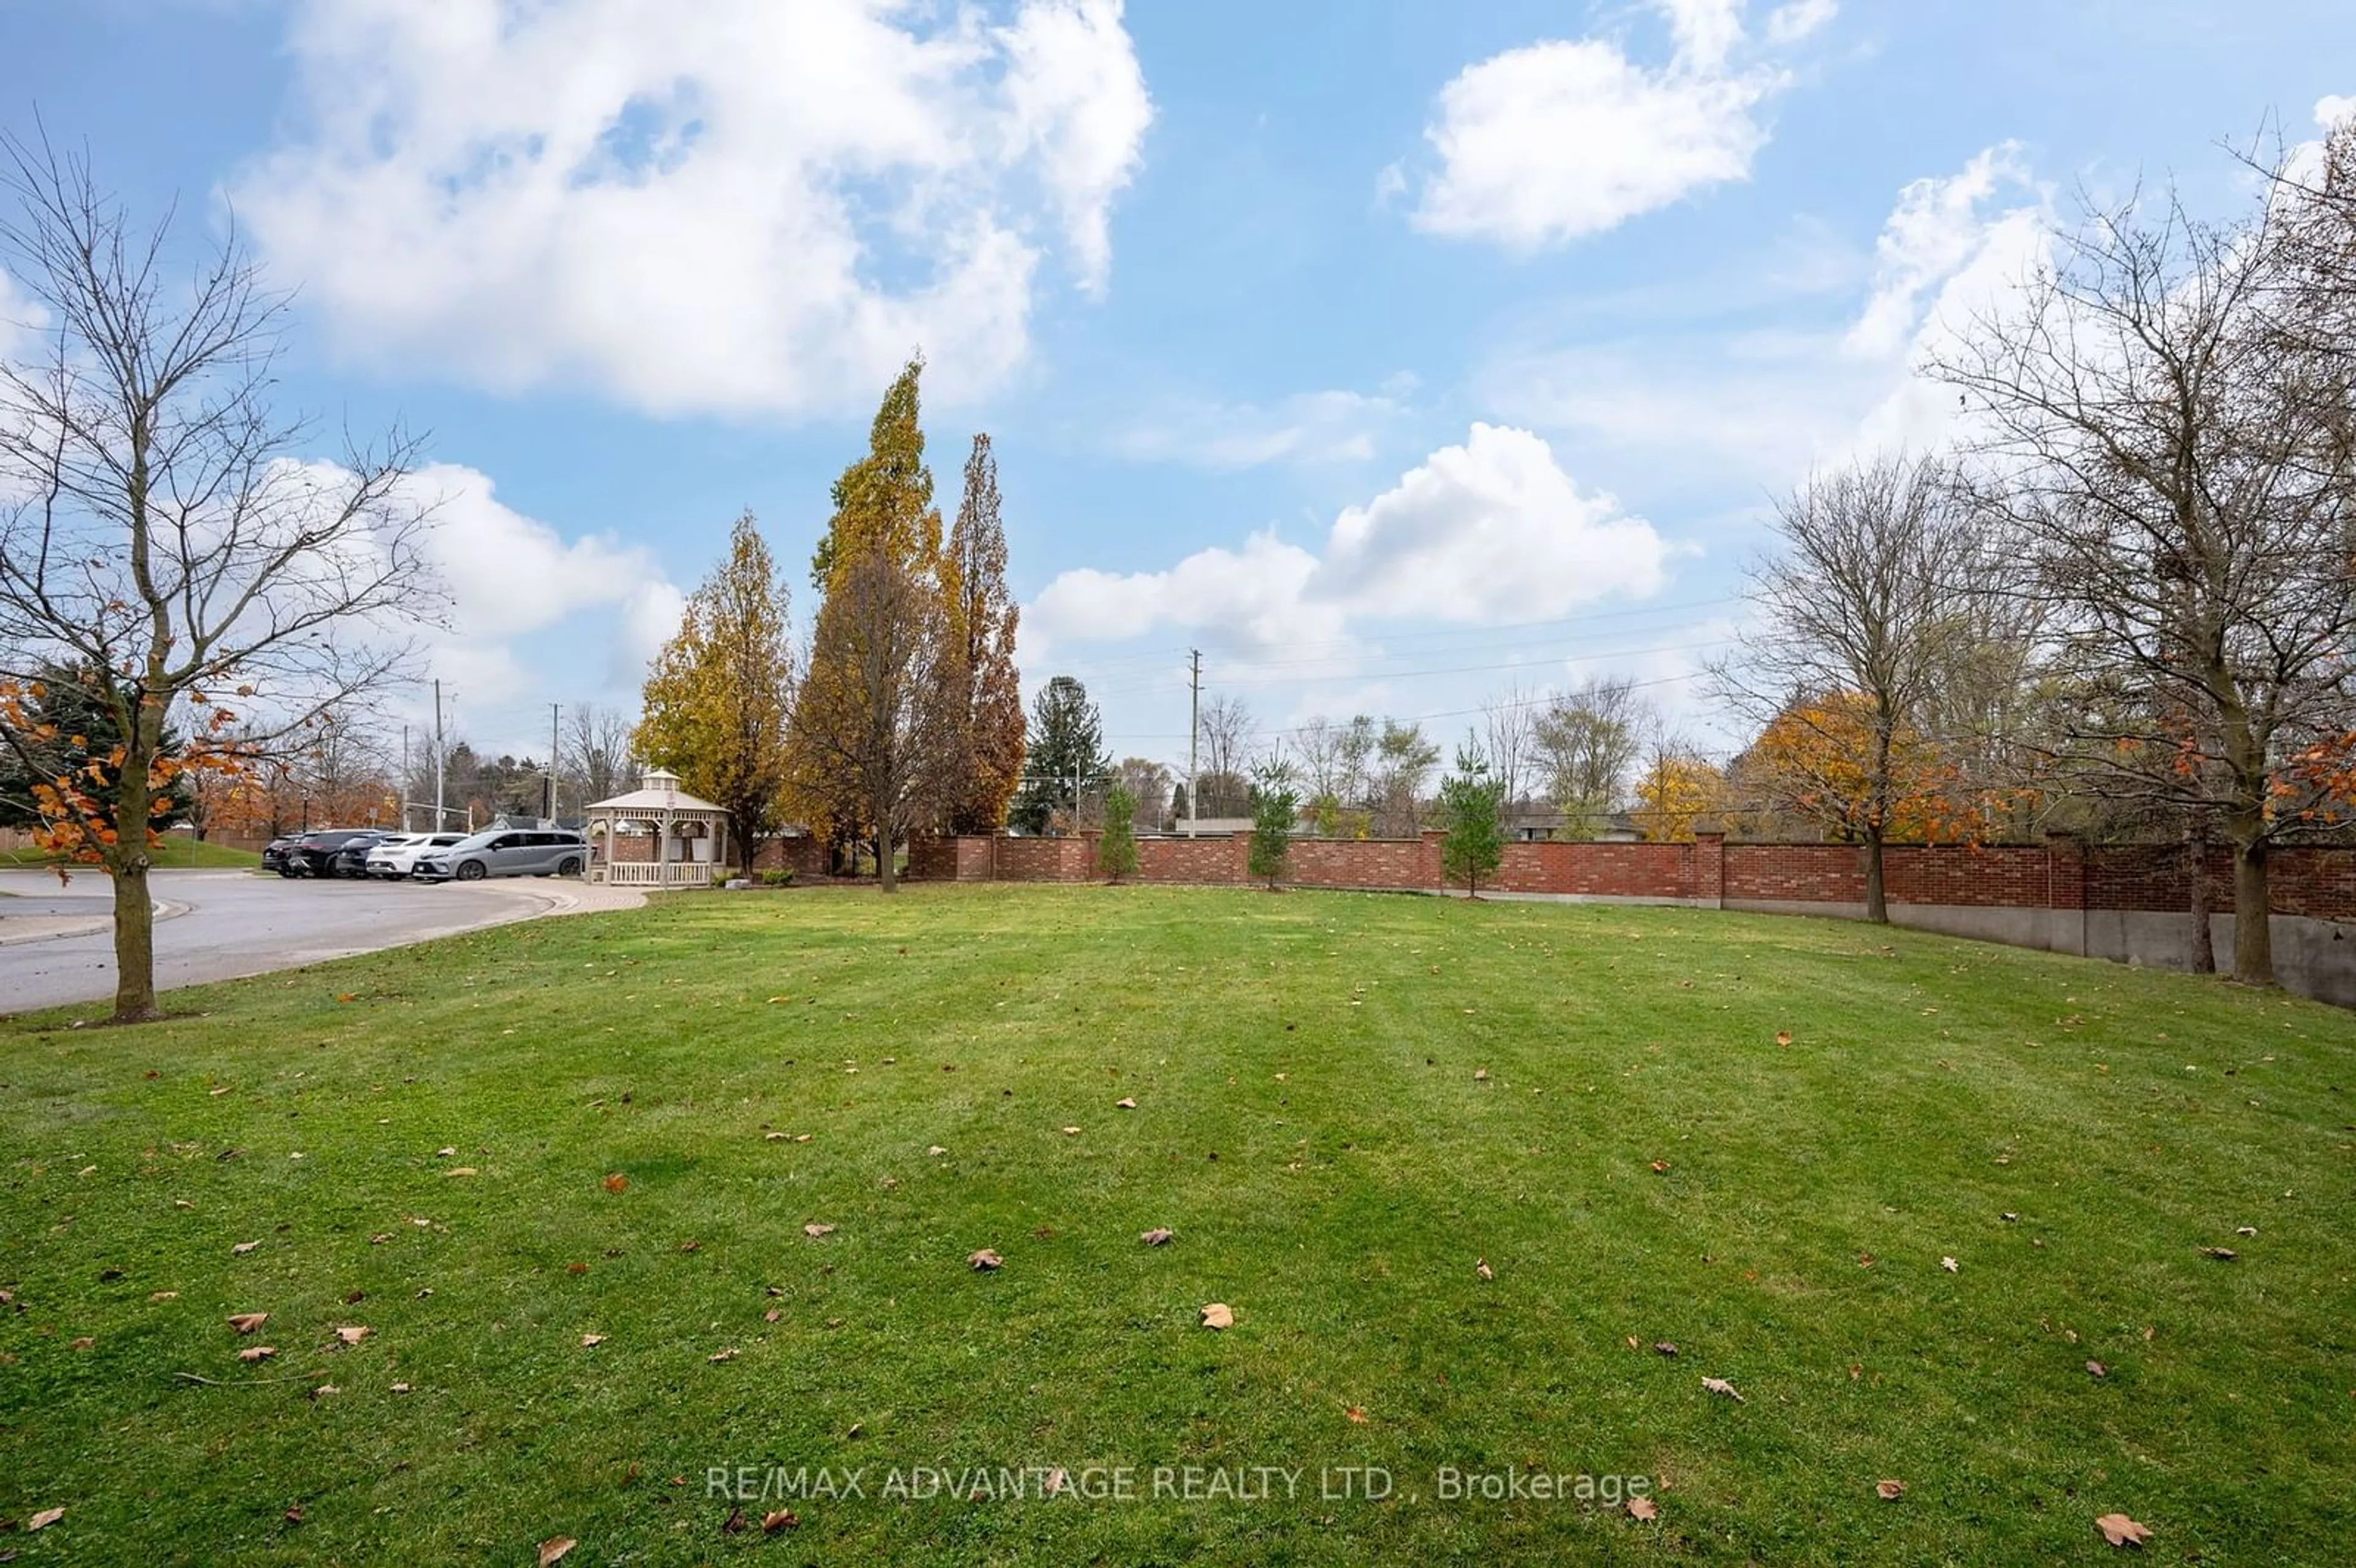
(876,732)
(985,690)
(720,695)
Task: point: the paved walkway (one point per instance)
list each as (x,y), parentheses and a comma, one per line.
(56,944)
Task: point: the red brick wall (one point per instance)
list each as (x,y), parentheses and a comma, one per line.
(2062,874)
(805,855)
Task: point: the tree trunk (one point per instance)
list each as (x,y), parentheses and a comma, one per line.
(2201,957)
(134,942)
(885,872)
(1877,905)
(2253,949)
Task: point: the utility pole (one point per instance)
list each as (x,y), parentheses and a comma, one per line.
(1194,730)
(553,711)
(404,778)
(441,756)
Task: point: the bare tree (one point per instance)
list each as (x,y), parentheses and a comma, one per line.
(596,751)
(1853,627)
(157,524)
(1586,742)
(1509,745)
(2171,442)
(1229,736)
(1148,783)
(1317,746)
(1404,759)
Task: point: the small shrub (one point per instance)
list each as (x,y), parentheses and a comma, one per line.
(1274,805)
(1116,851)
(777,879)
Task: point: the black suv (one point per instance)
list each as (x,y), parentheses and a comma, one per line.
(320,854)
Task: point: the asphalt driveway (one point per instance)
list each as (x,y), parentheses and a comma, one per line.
(56,945)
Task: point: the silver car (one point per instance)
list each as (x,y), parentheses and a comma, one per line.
(507,852)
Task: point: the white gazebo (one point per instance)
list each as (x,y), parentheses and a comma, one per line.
(657,836)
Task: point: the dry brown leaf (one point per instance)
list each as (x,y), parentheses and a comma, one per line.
(247,1322)
(2223,1254)
(589,1341)
(614,1183)
(164,1296)
(985,1260)
(1218,1314)
(1660,1167)
(937,1151)
(1126,1105)
(1783,1037)
(1631,1341)
(257,1352)
(775,1137)
(803,1138)
(445,1153)
(85,1343)
(460,1170)
(1663,1348)
(1356,1414)
(1482,1268)
(401,1388)
(1157,1237)
(1889,1491)
(782,1519)
(552,1550)
(46,1518)
(815,1230)
(352,1334)
(1071,1132)
(718,1356)
(1719,1385)
(2120,1531)
(1479,1075)
(734,1524)
(1644,1508)
(1949,1264)
(774,1315)
(242,1248)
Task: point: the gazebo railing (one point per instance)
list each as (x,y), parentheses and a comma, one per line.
(657,874)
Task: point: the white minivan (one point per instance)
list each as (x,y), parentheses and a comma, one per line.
(507,852)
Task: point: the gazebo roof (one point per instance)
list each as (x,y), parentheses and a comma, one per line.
(658,791)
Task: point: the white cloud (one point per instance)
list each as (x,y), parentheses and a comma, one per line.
(738,206)
(1489,531)
(1336,426)
(1559,139)
(1936,228)
(1788,24)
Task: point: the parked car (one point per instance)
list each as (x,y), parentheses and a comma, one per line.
(398,855)
(314,854)
(350,858)
(507,852)
(273,856)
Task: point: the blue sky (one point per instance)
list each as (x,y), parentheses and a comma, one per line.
(1396,355)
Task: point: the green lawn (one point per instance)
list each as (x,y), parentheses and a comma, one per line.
(1344,1103)
(176,853)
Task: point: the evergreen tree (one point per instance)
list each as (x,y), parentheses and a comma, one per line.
(720,693)
(1116,853)
(1067,758)
(1473,805)
(62,730)
(986,690)
(1275,804)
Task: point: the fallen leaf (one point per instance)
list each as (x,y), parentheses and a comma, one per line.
(242,1248)
(1356,1414)
(2223,1254)
(1660,1166)
(1071,1132)
(587,1340)
(446,1154)
(783,1519)
(1126,1105)
(257,1352)
(936,1150)
(734,1524)
(1644,1508)
(460,1170)
(775,1137)
(577,1268)
(247,1322)
(1783,1037)
(718,1356)
(46,1518)
(164,1296)
(803,1138)
(381,1238)
(1482,1269)
(815,1230)
(614,1183)
(1218,1314)
(401,1388)
(353,1334)
(1949,1264)
(2246,1230)
(1479,1075)
(294,1515)
(2096,1369)
(1663,1348)
(1158,1237)
(2120,1531)
(552,1550)
(1889,1491)
(1719,1385)
(984,1260)
(691,1246)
